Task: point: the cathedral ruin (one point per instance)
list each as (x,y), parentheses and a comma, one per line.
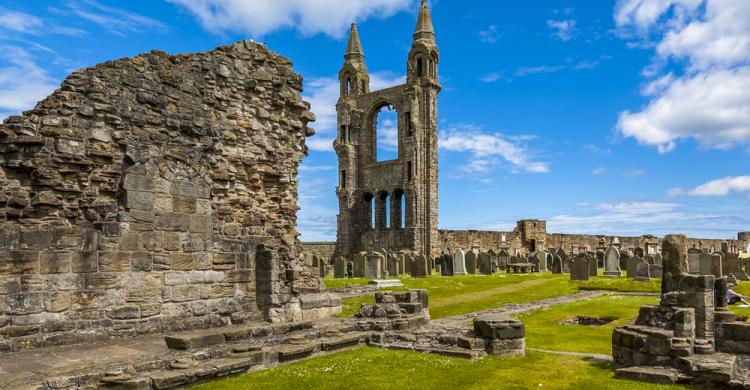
(391,205)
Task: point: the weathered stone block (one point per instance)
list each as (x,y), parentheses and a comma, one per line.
(19,262)
(173,222)
(182,261)
(58,302)
(100,280)
(141,261)
(36,238)
(498,327)
(130,312)
(84,262)
(54,262)
(139,200)
(133,182)
(69,237)
(114,261)
(184,204)
(24,303)
(195,190)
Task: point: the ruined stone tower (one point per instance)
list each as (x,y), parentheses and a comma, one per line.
(393,204)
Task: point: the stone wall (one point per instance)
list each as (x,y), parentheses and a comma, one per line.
(323,250)
(154,193)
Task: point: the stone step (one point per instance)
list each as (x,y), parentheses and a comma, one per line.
(470,354)
(215,336)
(290,352)
(652,374)
(334,344)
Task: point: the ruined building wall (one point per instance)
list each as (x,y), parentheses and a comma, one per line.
(154,193)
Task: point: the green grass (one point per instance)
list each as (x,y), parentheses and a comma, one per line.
(350,306)
(370,368)
(456,295)
(544,330)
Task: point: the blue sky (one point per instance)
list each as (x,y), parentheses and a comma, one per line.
(621,117)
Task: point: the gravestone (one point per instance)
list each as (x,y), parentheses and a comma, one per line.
(651,259)
(579,268)
(638,252)
(339,268)
(565,261)
(503,259)
(624,256)
(470,260)
(658,259)
(405,261)
(446,265)
(693,259)
(485,264)
(541,258)
(600,259)
(534,262)
(549,260)
(373,266)
(393,266)
(420,266)
(459,262)
(350,268)
(612,262)
(642,270)
(557,265)
(655,270)
(630,266)
(593,269)
(704,261)
(716,261)
(360,260)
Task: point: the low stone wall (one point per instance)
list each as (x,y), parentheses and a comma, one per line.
(154,193)
(324,250)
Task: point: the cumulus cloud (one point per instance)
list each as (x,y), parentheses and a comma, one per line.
(491,35)
(259,17)
(323,93)
(722,187)
(598,171)
(114,20)
(564,30)
(19,21)
(22,82)
(488,151)
(708,101)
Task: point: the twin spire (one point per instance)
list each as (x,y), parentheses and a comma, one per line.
(424,30)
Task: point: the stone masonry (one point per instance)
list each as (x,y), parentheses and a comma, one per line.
(367,186)
(155,193)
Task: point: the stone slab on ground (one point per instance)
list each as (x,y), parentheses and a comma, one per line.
(652,374)
(385,283)
(192,340)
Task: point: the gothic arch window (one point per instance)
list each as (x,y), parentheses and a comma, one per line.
(368,210)
(419,65)
(433,65)
(382,209)
(385,133)
(398,209)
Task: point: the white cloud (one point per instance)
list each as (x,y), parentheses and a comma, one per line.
(490,35)
(525,71)
(259,17)
(492,77)
(722,187)
(564,29)
(323,93)
(634,172)
(114,20)
(598,171)
(708,102)
(22,82)
(19,21)
(488,151)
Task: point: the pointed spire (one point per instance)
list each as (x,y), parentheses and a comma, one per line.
(354,46)
(424,28)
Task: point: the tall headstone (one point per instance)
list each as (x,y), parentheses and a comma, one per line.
(655,270)
(624,257)
(630,266)
(420,266)
(485,264)
(360,260)
(446,265)
(542,259)
(579,268)
(658,259)
(565,261)
(470,260)
(675,263)
(373,266)
(716,261)
(593,270)
(557,265)
(339,268)
(503,259)
(612,262)
(694,265)
(393,266)
(704,261)
(642,270)
(459,262)
(405,261)
(350,268)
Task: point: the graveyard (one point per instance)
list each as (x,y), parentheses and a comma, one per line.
(162,227)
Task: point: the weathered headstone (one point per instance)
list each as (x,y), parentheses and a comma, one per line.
(704,261)
(642,270)
(446,265)
(655,270)
(565,261)
(624,256)
(485,264)
(675,263)
(393,266)
(459,262)
(630,266)
(503,259)
(612,262)
(339,268)
(693,259)
(557,265)
(550,258)
(650,259)
(405,261)
(470,260)
(716,261)
(541,257)
(373,267)
(658,259)
(579,268)
(360,260)
(593,270)
(420,266)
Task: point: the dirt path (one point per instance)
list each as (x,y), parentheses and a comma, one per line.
(511,309)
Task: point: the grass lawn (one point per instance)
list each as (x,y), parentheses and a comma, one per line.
(456,295)
(544,329)
(370,368)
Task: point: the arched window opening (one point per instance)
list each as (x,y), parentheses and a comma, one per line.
(368,209)
(403,211)
(343,179)
(419,67)
(386,130)
(398,209)
(348,86)
(433,65)
(343,134)
(387,206)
